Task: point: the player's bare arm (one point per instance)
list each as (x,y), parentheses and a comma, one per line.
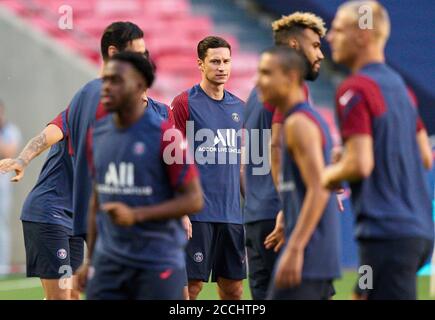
(275,152)
(188,201)
(356,163)
(304,141)
(425,148)
(49,136)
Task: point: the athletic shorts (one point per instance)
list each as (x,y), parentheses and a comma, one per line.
(388,268)
(216,248)
(51,251)
(109,280)
(260,260)
(307,290)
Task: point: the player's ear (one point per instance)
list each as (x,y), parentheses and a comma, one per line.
(200,65)
(112,50)
(293,43)
(362,37)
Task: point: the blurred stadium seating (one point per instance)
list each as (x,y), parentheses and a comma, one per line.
(171,34)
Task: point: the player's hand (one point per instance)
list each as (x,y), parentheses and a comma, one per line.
(327,180)
(276,238)
(120,213)
(187,225)
(81,277)
(17,165)
(289,272)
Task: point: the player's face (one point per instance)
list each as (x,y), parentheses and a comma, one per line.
(342,38)
(272,82)
(310,47)
(120,86)
(216,66)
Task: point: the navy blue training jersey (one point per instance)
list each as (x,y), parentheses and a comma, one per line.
(261,198)
(128,167)
(213,130)
(85,108)
(50,200)
(394,201)
(321,256)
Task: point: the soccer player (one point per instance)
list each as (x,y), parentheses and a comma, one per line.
(385,152)
(264,236)
(208,111)
(136,239)
(302,31)
(309,261)
(52,239)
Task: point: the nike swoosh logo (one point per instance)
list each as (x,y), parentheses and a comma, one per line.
(165,274)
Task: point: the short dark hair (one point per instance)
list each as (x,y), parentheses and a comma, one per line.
(119,34)
(138,62)
(290,59)
(211,42)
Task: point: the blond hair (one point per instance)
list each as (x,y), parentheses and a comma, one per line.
(381,20)
(287,25)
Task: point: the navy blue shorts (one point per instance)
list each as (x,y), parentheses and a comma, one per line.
(307,290)
(216,248)
(109,280)
(394,265)
(51,251)
(260,260)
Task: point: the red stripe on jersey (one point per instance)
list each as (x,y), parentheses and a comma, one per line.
(180,111)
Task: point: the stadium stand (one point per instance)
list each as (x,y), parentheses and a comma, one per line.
(171,33)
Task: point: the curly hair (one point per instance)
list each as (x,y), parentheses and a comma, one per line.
(294,24)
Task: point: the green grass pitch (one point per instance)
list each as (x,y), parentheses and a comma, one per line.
(17,287)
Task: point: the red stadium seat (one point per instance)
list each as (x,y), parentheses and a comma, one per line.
(80,8)
(171,34)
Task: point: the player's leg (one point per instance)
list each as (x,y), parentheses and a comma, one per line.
(199,255)
(54,290)
(76,245)
(229,265)
(260,260)
(229,289)
(186,286)
(108,280)
(48,258)
(159,284)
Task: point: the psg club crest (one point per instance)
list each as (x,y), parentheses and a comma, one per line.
(198,257)
(235,117)
(139,148)
(62,254)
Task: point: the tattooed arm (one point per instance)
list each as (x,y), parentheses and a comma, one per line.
(49,136)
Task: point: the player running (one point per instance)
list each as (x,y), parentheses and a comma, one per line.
(301,31)
(386,150)
(208,111)
(309,261)
(136,241)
